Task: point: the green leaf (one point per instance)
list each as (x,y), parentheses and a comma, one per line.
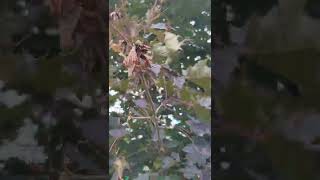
(112,99)
(168,85)
(202,113)
(172,43)
(157,163)
(120,164)
(160,50)
(199,74)
(205,83)
(120,85)
(186,94)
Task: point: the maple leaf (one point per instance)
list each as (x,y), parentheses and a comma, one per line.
(198,71)
(199,74)
(160,50)
(120,165)
(131,60)
(118,47)
(172,43)
(170,48)
(118,133)
(142,103)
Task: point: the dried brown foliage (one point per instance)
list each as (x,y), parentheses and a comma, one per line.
(82,24)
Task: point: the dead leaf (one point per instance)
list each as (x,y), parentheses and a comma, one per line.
(120,164)
(131,60)
(116,48)
(172,43)
(68,13)
(83,17)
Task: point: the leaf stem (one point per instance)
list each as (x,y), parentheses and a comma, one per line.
(154,114)
(141,117)
(113,144)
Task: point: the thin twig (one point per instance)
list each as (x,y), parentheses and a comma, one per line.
(113,144)
(140,150)
(165,87)
(123,36)
(157,16)
(141,117)
(24,39)
(149,98)
(185,133)
(159,107)
(148,94)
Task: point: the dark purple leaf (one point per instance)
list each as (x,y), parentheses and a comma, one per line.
(206,151)
(179,81)
(142,103)
(156,68)
(197,154)
(167,162)
(203,146)
(171,143)
(155,134)
(161,26)
(189,149)
(190,171)
(114,122)
(175,156)
(205,174)
(205,102)
(196,157)
(118,133)
(199,128)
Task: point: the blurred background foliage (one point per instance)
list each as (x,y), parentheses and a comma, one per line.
(42,82)
(266,75)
